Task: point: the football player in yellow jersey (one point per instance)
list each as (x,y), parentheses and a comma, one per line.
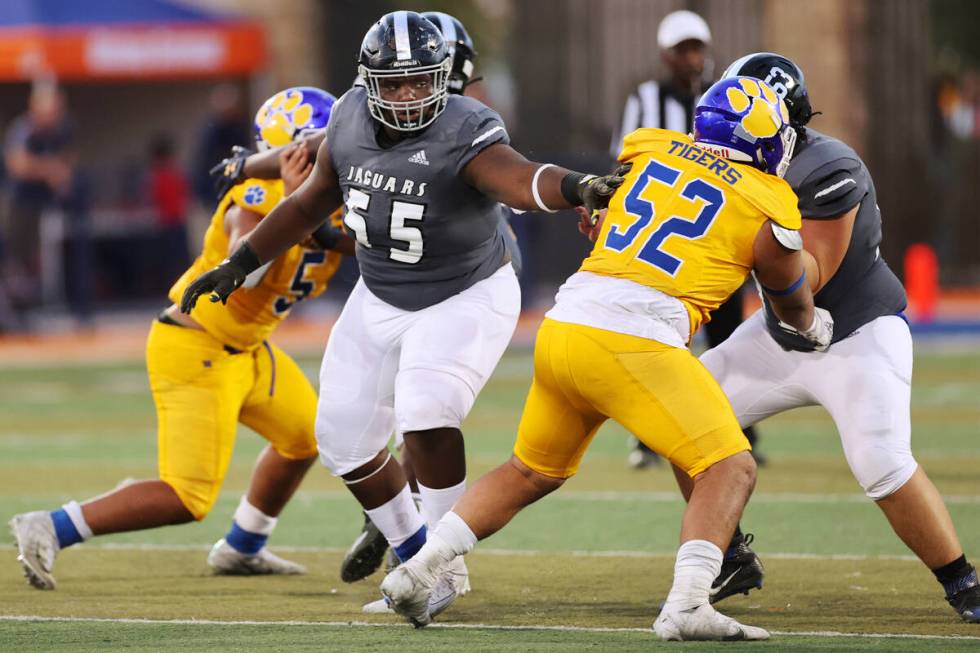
(212,370)
(693,218)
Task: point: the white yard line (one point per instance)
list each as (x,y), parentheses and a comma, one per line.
(113,546)
(366,624)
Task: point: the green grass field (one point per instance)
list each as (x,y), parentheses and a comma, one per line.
(583,570)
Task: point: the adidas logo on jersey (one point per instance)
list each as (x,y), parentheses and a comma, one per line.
(419,158)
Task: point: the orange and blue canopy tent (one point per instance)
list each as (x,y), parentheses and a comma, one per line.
(101,40)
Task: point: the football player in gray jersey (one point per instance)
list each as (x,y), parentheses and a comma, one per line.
(864,378)
(367,552)
(421,173)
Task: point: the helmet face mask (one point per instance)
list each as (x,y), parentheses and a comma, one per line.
(291,114)
(743,119)
(407,115)
(397,52)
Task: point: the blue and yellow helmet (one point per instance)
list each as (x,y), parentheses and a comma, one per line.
(290,114)
(743,119)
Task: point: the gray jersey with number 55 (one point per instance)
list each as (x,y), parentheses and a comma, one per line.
(423,234)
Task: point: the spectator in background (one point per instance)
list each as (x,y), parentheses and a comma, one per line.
(683,37)
(169,192)
(39,154)
(227,125)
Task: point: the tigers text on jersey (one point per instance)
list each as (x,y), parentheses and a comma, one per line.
(423,234)
(266,297)
(684,222)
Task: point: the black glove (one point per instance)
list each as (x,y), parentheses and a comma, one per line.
(327,236)
(230,171)
(594,192)
(222,280)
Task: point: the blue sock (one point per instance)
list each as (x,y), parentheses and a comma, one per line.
(65,529)
(245,541)
(411,546)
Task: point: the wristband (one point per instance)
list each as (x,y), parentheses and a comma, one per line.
(570,188)
(534,188)
(245,258)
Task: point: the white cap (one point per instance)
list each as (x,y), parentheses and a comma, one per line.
(680,26)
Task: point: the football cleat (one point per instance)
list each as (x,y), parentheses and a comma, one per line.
(37,545)
(418,595)
(365,555)
(703,623)
(741,570)
(225,560)
(966,601)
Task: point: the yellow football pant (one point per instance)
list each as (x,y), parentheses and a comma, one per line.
(202,392)
(662,394)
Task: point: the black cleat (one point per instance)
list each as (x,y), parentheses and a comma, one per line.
(740,572)
(966,601)
(365,555)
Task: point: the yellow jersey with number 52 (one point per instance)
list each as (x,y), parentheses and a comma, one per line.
(685,220)
(254,310)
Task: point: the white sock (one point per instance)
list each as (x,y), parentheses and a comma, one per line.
(74,512)
(398,519)
(452,537)
(698,563)
(438,502)
(456,533)
(253,520)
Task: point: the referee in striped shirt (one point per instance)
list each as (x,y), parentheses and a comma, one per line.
(683,37)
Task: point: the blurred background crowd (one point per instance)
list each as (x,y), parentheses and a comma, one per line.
(113,111)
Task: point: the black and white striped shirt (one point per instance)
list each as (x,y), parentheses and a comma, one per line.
(655,104)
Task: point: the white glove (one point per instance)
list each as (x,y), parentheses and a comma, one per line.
(820,332)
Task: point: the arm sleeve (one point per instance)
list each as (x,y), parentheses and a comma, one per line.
(833,189)
(479,131)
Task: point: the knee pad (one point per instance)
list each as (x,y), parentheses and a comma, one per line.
(342,450)
(344,461)
(198,496)
(430,399)
(885,474)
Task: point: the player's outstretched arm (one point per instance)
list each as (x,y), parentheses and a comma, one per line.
(289,223)
(243,163)
(502,173)
(265,165)
(780,268)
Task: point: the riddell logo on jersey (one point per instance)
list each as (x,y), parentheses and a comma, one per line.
(419,158)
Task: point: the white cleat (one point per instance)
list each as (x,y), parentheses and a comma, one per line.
(225,560)
(380,606)
(37,544)
(703,623)
(408,595)
(419,595)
